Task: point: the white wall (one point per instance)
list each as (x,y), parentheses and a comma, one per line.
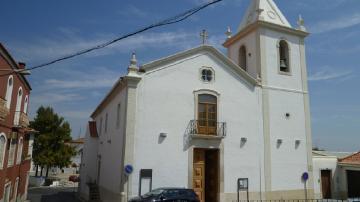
(325,163)
(88,163)
(166,103)
(110,145)
(249,41)
(288,161)
(274,79)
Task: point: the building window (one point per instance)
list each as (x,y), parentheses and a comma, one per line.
(9,91)
(106,122)
(2,149)
(19,151)
(242,58)
(18,107)
(100,127)
(207,75)
(118,115)
(207,114)
(16,186)
(26,104)
(7,192)
(12,148)
(284,59)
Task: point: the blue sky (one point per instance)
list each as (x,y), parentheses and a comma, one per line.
(38,31)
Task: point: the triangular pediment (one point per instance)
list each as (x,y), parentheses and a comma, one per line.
(204,48)
(263,10)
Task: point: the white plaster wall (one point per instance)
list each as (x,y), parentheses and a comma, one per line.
(288,163)
(325,163)
(249,41)
(111,146)
(88,163)
(274,79)
(166,104)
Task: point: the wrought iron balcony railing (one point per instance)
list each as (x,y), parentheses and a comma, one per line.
(4,111)
(206,128)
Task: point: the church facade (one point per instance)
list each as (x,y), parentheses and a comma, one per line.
(203,120)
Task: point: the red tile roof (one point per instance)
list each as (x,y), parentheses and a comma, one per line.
(352,159)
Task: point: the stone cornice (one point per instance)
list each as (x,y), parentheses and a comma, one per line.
(260,24)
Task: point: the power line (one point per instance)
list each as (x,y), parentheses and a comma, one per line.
(172,20)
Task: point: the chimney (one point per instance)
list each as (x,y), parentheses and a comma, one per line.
(21,65)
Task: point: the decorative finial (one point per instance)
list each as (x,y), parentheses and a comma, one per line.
(228,32)
(301,24)
(133,63)
(204,35)
(259,11)
(133,60)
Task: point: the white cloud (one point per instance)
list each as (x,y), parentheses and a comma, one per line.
(87,83)
(51,98)
(328,73)
(71,42)
(224,2)
(78,80)
(76,114)
(315,5)
(132,11)
(337,23)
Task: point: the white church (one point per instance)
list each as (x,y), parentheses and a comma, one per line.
(200,119)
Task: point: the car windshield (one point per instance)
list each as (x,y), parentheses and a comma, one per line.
(154,192)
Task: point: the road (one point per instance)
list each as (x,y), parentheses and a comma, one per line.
(52,194)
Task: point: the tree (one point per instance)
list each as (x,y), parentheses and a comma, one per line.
(50,147)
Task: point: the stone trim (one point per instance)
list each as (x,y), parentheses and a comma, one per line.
(130,131)
(259,24)
(307,114)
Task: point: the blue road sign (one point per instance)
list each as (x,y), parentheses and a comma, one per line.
(305,176)
(128,169)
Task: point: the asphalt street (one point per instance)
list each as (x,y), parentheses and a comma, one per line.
(52,194)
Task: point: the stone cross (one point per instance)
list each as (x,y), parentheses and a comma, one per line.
(204,35)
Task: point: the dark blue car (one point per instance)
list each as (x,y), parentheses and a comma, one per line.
(168,195)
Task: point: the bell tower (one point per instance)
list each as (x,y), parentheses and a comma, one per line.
(268,48)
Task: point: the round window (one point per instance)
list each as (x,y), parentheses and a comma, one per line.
(207,75)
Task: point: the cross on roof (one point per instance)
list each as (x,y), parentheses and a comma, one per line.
(204,35)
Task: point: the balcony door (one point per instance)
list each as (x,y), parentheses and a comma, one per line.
(207,114)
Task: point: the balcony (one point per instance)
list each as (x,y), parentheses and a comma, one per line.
(4,111)
(24,120)
(206,129)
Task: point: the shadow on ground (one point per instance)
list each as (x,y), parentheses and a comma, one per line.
(51,194)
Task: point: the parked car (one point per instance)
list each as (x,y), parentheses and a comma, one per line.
(74,178)
(167,195)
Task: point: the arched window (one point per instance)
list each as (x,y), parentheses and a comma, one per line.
(284,59)
(2,149)
(11,158)
(18,107)
(19,151)
(207,114)
(26,104)
(16,188)
(242,58)
(9,91)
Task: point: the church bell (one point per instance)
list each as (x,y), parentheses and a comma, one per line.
(283,64)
